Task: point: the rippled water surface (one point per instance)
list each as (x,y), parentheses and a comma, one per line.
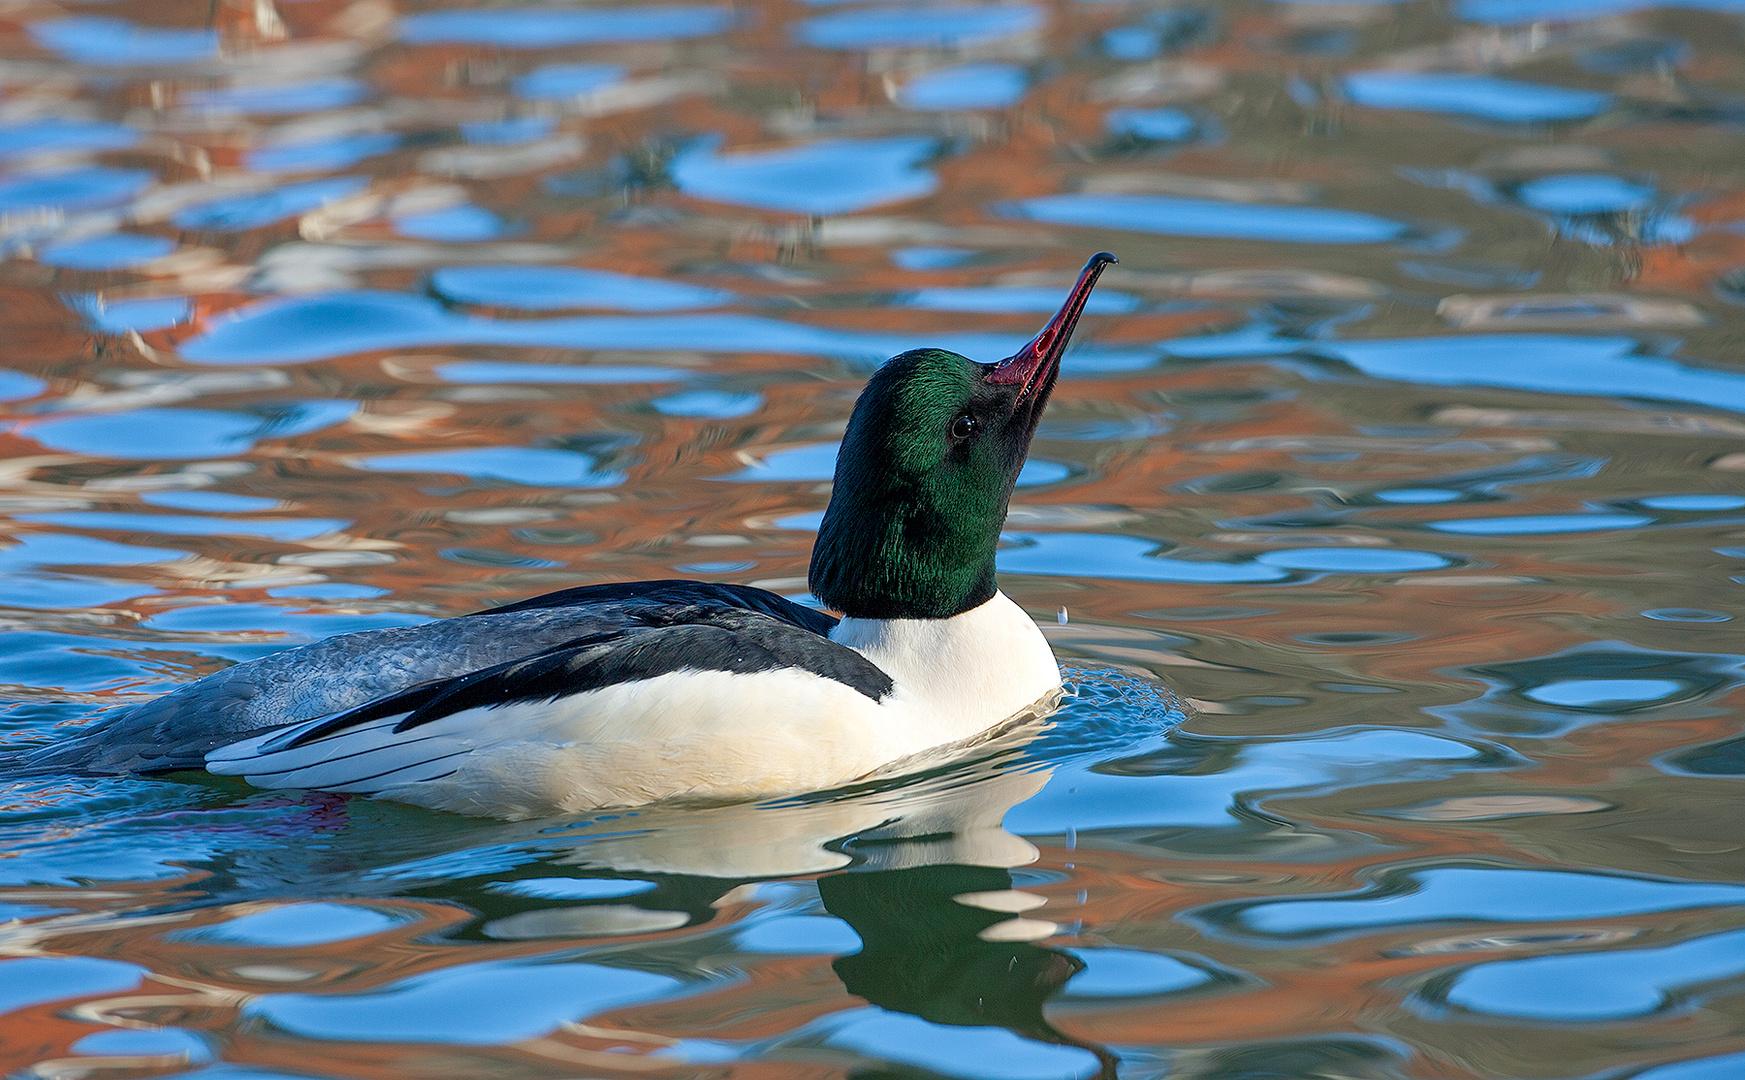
(1404,445)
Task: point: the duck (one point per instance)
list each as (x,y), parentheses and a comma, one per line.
(672,692)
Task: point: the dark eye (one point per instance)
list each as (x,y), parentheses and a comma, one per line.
(963,427)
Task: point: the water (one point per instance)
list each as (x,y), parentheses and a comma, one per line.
(1403,445)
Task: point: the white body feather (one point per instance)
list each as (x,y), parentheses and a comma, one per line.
(687,735)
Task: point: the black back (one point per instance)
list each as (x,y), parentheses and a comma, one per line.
(677,592)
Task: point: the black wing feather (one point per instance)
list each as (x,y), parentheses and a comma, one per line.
(369,669)
(681,594)
(699,638)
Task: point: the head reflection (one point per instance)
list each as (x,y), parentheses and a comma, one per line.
(928,954)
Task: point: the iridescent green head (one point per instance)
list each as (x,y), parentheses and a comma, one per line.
(925,472)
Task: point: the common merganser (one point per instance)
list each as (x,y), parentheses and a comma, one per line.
(632,694)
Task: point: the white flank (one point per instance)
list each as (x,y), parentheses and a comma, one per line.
(710,736)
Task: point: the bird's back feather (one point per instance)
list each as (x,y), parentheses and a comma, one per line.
(340,673)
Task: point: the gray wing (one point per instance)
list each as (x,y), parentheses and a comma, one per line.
(175,731)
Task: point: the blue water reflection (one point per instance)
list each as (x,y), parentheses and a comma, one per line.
(931,258)
(1127,973)
(184,433)
(145,314)
(45,591)
(1103,799)
(938,26)
(109,251)
(1510,12)
(316,95)
(1355,560)
(1602,693)
(1584,193)
(73,189)
(288,926)
(63,133)
(1722,1067)
(321,155)
(1539,524)
(570,888)
(172,434)
(1120,558)
(967,86)
(1175,216)
(714,404)
(1154,125)
(16,385)
(108,42)
(452,224)
(1417,496)
(149,1042)
(38,980)
(501,372)
(482,1004)
(1589,987)
(558,82)
(1694,502)
(798,935)
(1484,96)
(1166,29)
(836,176)
(1465,894)
(555,288)
(1552,363)
(511,464)
(973,1053)
(534,28)
(56,549)
(510,132)
(1130,558)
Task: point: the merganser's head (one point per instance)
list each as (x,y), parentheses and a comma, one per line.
(925,472)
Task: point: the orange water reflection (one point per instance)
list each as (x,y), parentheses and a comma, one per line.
(1219,419)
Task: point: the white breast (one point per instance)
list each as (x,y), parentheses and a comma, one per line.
(966,673)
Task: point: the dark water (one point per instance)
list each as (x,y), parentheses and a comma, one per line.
(1404,444)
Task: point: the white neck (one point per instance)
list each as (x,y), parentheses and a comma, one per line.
(969,672)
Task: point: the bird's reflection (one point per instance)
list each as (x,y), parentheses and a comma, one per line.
(923,952)
(908,886)
(904,866)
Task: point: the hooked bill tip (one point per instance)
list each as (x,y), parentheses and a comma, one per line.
(1044,350)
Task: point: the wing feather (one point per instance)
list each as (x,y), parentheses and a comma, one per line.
(389,741)
(325,679)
